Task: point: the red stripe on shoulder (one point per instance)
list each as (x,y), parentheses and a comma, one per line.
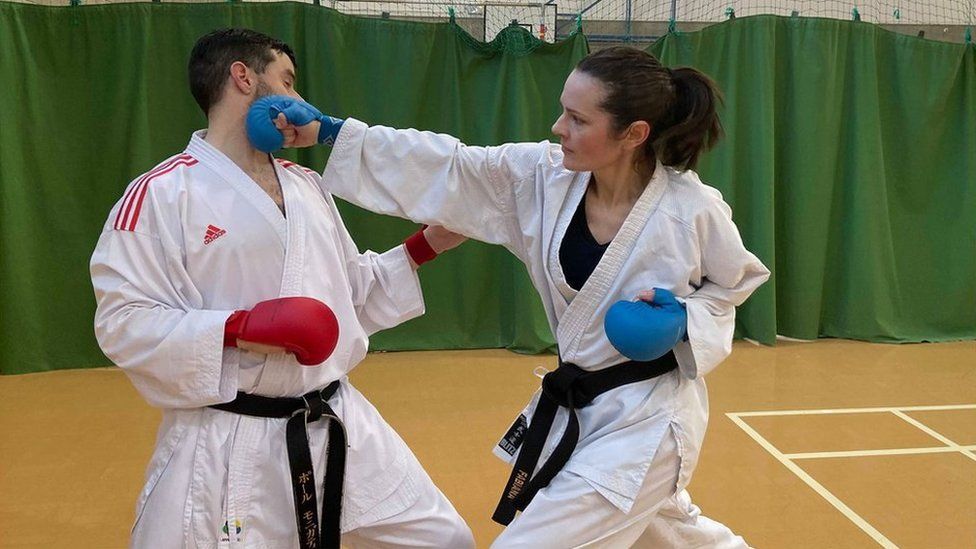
(287,164)
(128,200)
(137,200)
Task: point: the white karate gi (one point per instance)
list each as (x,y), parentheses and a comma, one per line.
(679,236)
(189,243)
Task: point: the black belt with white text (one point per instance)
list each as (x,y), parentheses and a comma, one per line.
(571,387)
(309,408)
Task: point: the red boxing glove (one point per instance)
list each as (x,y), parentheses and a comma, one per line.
(418,247)
(304,326)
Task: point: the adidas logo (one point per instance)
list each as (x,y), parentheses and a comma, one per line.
(213,233)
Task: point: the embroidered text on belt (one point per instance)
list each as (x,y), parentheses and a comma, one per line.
(572,387)
(302,411)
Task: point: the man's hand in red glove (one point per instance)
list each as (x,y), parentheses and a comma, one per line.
(303,326)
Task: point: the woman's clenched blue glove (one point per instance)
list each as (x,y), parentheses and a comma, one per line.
(645,331)
(263,134)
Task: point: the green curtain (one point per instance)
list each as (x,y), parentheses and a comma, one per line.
(849,161)
(850,165)
(95,95)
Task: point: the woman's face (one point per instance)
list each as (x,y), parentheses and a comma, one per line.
(584,129)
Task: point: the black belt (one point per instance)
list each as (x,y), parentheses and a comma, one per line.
(302,411)
(571,387)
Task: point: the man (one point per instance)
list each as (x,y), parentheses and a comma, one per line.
(232,295)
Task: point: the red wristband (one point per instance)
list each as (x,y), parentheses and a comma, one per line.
(419,249)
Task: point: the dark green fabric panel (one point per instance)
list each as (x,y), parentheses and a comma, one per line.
(850,164)
(94,96)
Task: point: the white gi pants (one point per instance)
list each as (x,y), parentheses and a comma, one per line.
(416,514)
(570,513)
(430,522)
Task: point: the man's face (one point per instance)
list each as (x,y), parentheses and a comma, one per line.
(278,78)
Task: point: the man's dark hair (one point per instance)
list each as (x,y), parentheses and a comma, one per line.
(215,52)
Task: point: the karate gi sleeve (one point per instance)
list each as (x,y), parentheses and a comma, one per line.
(434,179)
(385,288)
(148,323)
(730,273)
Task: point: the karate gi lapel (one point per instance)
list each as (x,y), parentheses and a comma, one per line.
(579,314)
(279,371)
(291,279)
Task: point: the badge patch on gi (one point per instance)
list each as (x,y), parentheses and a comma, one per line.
(226,531)
(513,438)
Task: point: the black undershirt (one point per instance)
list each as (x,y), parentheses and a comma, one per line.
(580,252)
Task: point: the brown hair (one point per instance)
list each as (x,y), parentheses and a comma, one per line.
(214,53)
(679,104)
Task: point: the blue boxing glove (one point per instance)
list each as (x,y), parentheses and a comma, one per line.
(645,331)
(262,132)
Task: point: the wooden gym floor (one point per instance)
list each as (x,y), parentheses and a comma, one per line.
(829,444)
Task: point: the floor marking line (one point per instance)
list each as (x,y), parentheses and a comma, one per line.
(817,487)
(883,452)
(935,434)
(876,410)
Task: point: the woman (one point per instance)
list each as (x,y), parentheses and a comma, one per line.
(609,214)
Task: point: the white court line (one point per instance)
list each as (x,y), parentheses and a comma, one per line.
(885,452)
(857,410)
(935,434)
(817,487)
